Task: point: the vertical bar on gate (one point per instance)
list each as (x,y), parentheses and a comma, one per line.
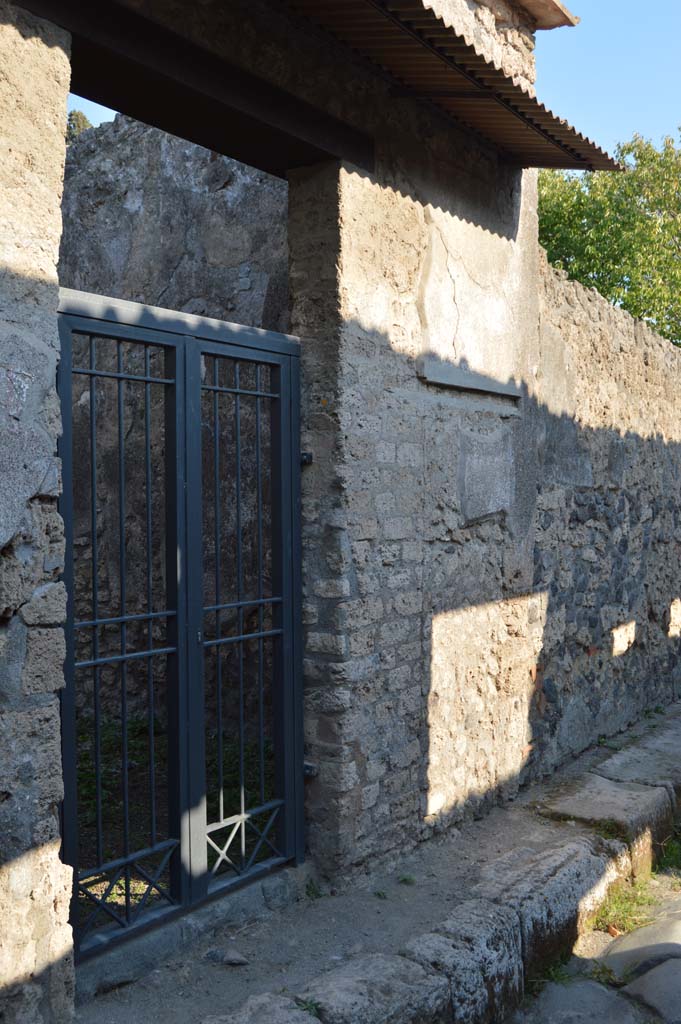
(240,611)
(123,603)
(297,816)
(258,476)
(96,671)
(217,522)
(150,598)
(194,835)
(173,436)
(278,675)
(285,553)
(68,704)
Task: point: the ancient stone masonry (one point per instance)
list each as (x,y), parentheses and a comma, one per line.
(608,531)
(36,974)
(152,218)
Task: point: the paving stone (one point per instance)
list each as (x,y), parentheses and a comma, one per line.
(380,989)
(644,813)
(638,952)
(267,1009)
(479,949)
(660,989)
(652,760)
(551,893)
(580,1002)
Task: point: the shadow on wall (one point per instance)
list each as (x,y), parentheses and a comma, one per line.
(513,597)
(522,677)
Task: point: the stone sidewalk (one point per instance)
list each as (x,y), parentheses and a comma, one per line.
(453,932)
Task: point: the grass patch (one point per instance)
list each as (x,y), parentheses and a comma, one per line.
(380,894)
(604,975)
(609,829)
(603,741)
(626,908)
(406,880)
(556,972)
(309,1006)
(312,890)
(670,854)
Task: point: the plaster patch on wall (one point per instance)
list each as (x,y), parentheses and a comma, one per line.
(486,475)
(470,352)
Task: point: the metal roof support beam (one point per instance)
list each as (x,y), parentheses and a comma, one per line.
(133,65)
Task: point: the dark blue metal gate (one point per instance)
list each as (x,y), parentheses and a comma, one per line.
(181,716)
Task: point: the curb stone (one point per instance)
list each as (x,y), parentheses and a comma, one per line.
(380,989)
(553,894)
(643,813)
(479,950)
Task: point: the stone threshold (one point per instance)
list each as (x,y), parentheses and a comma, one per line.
(451,932)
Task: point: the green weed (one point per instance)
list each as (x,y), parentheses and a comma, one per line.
(625,908)
(310,1006)
(555,972)
(312,890)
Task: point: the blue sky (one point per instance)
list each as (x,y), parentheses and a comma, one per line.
(616,73)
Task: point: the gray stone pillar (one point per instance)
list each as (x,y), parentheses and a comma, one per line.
(418,508)
(36,971)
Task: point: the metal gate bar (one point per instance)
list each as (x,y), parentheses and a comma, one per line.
(123,343)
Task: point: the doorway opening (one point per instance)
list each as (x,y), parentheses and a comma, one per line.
(182,712)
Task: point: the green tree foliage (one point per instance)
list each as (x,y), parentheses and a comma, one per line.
(621,233)
(76,123)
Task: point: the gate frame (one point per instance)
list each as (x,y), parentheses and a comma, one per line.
(176,331)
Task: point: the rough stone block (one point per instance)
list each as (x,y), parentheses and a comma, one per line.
(660,989)
(380,989)
(638,952)
(552,892)
(479,950)
(44,666)
(47,606)
(581,1002)
(642,813)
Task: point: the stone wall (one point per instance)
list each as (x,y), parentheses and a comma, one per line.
(152,218)
(608,518)
(36,972)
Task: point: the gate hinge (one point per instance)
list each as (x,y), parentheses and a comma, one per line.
(310,770)
(306,458)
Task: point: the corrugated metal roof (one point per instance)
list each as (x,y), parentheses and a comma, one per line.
(429,60)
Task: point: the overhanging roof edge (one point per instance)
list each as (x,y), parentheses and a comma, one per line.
(416,47)
(549,14)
